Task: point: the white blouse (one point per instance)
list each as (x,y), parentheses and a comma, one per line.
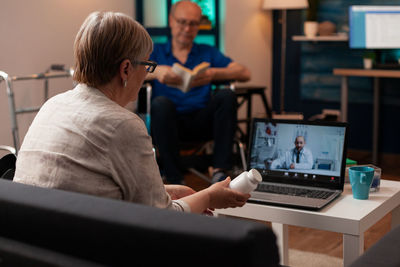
(82,141)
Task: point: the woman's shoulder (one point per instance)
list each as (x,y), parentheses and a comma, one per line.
(117,116)
(90,108)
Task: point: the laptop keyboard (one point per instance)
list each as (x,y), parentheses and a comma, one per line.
(293,191)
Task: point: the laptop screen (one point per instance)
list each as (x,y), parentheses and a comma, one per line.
(299,152)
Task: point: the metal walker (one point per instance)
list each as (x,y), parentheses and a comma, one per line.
(55,71)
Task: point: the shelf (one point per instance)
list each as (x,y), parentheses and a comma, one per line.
(328,38)
(206,27)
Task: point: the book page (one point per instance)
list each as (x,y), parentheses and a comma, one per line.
(201,68)
(188,75)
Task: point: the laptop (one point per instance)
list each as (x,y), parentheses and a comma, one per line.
(302,163)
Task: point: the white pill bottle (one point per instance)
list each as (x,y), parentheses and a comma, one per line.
(246,182)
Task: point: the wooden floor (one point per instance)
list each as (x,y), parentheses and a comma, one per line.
(330,243)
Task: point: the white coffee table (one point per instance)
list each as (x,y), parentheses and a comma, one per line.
(345,215)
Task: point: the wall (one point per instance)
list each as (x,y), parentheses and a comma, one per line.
(36,34)
(311,85)
(248,40)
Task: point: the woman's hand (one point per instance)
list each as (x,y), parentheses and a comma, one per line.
(221,196)
(178,191)
(217,196)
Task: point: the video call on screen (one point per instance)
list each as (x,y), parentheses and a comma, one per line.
(273,150)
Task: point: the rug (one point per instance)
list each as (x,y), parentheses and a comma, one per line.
(298,258)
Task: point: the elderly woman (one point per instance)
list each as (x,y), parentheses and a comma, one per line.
(84,140)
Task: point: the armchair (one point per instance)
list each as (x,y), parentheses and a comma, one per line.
(385,252)
(116,233)
(197,157)
(7,163)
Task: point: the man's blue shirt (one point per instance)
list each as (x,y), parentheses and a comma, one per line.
(196,97)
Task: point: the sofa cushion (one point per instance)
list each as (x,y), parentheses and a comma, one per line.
(114,232)
(385,252)
(14,253)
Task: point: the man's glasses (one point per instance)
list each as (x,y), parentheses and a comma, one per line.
(190,23)
(150,65)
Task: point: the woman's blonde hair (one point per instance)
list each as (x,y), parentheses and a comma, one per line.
(104,40)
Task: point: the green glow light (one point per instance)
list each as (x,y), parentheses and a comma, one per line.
(207,7)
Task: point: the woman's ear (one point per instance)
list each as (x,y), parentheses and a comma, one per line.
(124,69)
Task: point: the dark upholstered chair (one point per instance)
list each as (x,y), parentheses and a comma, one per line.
(14,253)
(117,233)
(385,252)
(196,156)
(7,166)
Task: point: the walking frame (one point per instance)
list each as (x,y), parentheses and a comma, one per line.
(54,71)
(58,71)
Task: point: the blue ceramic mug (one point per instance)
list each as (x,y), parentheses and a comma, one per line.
(361,179)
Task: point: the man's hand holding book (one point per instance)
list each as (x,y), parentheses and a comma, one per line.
(191,78)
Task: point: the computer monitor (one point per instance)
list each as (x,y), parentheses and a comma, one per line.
(273,146)
(374,27)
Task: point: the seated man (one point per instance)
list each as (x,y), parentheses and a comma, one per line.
(298,157)
(195,115)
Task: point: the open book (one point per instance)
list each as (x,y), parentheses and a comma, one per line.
(187,74)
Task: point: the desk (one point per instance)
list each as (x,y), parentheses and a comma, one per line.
(246,92)
(345,215)
(372,73)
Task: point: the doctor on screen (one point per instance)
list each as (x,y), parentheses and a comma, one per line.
(298,157)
